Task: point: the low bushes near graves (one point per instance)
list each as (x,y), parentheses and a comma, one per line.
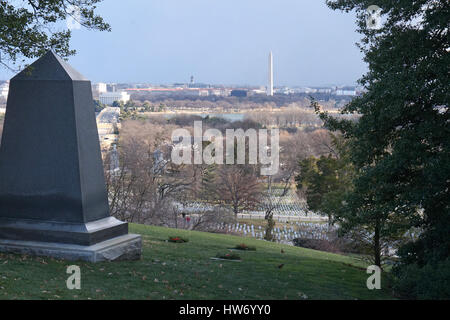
(337,245)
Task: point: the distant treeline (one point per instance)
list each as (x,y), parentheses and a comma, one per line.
(250,102)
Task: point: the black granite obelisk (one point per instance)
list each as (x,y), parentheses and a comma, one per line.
(52,186)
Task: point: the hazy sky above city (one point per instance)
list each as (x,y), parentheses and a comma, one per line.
(220,42)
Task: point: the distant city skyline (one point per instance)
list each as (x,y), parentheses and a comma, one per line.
(168,41)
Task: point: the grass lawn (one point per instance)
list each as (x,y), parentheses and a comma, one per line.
(185,271)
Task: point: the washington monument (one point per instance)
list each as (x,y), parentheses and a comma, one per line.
(270,85)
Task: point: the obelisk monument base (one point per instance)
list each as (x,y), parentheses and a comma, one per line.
(126,247)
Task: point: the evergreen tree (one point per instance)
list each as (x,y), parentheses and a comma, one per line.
(326,180)
(401,143)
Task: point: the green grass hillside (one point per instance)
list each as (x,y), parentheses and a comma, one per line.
(185,271)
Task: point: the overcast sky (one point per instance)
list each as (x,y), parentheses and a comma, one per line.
(220,42)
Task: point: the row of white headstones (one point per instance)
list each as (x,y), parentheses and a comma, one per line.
(294,231)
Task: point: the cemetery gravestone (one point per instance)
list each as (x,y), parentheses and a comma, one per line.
(53,199)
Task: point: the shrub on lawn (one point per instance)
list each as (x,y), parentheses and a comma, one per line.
(244,247)
(177,240)
(228,256)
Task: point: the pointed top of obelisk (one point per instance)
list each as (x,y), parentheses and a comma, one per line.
(49,67)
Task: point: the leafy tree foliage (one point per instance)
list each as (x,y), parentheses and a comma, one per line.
(98,106)
(29,28)
(326,179)
(401,143)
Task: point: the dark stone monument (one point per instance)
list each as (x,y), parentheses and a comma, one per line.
(53,199)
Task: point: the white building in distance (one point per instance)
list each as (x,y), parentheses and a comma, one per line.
(346,92)
(108,98)
(98,89)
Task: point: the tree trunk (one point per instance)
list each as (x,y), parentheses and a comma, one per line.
(377,246)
